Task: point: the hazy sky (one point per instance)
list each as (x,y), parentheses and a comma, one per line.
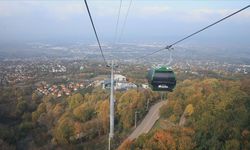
(148,20)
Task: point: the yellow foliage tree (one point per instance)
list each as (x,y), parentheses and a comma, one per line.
(189,110)
(103,115)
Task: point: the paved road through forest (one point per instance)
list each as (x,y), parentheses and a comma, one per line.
(148,122)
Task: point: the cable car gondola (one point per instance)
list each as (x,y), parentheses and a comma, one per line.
(161,78)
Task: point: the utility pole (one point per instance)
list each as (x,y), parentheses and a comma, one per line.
(111,101)
(111,133)
(147,104)
(136,112)
(161,95)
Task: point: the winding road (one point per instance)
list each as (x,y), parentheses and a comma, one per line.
(148,122)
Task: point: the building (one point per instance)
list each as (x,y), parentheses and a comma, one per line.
(106,84)
(125,86)
(120,83)
(145,86)
(119,78)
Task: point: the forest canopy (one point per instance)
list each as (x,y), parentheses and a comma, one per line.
(202,114)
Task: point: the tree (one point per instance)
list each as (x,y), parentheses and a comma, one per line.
(21,107)
(36,114)
(75,100)
(189,110)
(84,112)
(58,110)
(63,131)
(232,144)
(34,97)
(103,115)
(24,128)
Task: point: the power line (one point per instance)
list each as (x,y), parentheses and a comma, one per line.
(98,41)
(117,21)
(125,21)
(171,45)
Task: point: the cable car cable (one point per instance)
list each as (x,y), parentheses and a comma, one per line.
(117,21)
(169,46)
(97,38)
(125,21)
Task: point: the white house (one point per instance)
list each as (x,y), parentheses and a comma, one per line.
(119,78)
(124,86)
(120,83)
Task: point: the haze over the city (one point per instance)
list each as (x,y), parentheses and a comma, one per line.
(148,21)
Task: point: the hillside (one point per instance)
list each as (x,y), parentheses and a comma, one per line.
(202,114)
(77,121)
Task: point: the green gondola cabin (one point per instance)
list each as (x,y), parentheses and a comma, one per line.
(162,78)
